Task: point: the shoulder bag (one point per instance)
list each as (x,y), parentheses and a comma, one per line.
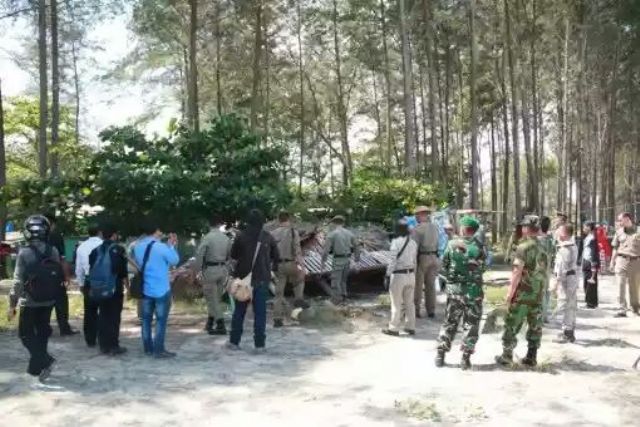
(241,289)
(136,290)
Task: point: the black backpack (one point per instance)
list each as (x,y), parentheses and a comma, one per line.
(44,277)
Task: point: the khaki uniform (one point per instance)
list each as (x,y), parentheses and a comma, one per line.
(342,244)
(212,258)
(627,267)
(426,236)
(401,271)
(290,269)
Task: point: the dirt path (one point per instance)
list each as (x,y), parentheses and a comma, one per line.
(346,376)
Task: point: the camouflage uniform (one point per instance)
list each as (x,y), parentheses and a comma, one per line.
(463,267)
(549,246)
(527,301)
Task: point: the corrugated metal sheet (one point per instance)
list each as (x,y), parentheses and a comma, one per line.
(369,260)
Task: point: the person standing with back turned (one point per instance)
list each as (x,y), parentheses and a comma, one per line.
(90,318)
(426,236)
(212,260)
(159,257)
(37,278)
(342,244)
(256,253)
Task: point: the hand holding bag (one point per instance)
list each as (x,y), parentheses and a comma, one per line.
(241,289)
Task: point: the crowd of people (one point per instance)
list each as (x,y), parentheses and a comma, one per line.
(544,257)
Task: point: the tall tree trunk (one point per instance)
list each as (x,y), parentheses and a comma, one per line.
(55,87)
(423,108)
(611,137)
(3,171)
(267,81)
(474,112)
(562,112)
(494,184)
(407,79)
(256,101)
(76,92)
(218,59)
(447,94)
(501,70)
(427,16)
(534,104)
(44,91)
(194,114)
(376,113)
(514,110)
(342,109)
(387,82)
(301,75)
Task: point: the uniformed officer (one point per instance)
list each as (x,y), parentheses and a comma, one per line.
(625,263)
(426,236)
(290,269)
(211,261)
(342,244)
(526,292)
(566,282)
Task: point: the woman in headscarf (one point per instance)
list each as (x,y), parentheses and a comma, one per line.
(259,262)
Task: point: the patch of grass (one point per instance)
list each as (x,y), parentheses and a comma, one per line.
(195,307)
(475,413)
(495,295)
(421,410)
(76,310)
(384,300)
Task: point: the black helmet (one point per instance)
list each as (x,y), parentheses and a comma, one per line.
(37,227)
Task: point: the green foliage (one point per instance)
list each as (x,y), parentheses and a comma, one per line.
(379,198)
(22,123)
(179,180)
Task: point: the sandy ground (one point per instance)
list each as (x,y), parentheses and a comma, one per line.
(349,375)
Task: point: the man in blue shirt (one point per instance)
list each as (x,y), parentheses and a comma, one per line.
(156,287)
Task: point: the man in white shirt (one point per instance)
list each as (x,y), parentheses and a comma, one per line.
(90,323)
(400,278)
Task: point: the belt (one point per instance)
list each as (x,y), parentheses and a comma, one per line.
(428,253)
(286,260)
(214,264)
(406,271)
(629,257)
(342,256)
(571,273)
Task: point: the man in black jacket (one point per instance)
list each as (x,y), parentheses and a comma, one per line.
(590,264)
(243,251)
(110,309)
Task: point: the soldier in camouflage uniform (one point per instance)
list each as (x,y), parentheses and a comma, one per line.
(526,293)
(463,265)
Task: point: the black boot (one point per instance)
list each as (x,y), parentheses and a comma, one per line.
(505,359)
(531,358)
(465,364)
(440,358)
(209,326)
(220,329)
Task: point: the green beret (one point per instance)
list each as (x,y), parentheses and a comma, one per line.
(469,221)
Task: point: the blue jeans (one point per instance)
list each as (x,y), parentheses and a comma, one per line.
(259,301)
(161,307)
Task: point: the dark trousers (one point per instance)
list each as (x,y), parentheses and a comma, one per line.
(259,302)
(90,322)
(109,316)
(62,311)
(34,331)
(590,289)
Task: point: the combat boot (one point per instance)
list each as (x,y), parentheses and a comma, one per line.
(531,359)
(278,323)
(564,337)
(505,359)
(440,358)
(220,329)
(465,364)
(209,326)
